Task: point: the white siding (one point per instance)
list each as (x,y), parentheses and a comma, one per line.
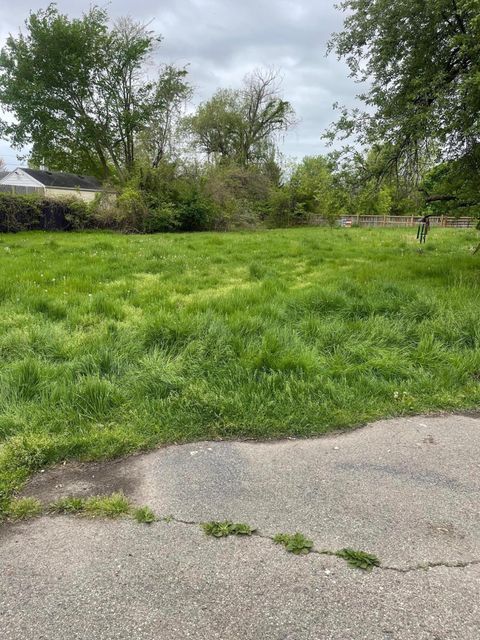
(19,178)
(55,192)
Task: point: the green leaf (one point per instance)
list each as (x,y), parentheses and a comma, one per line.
(359,559)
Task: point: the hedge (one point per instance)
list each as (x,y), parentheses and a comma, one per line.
(28,213)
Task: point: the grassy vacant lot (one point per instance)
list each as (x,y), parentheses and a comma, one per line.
(112,343)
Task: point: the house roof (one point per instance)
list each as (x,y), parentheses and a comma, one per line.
(3,174)
(63,180)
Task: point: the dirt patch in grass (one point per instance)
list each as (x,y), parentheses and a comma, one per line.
(82,479)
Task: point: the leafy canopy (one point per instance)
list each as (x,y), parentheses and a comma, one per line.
(421,59)
(79,93)
(241,125)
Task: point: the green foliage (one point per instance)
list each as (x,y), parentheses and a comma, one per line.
(68,505)
(23,508)
(132,210)
(240,125)
(452,187)
(161,132)
(26,213)
(144,515)
(79,94)
(239,195)
(112,506)
(422,107)
(295,543)
(25,380)
(227,528)
(314,187)
(359,559)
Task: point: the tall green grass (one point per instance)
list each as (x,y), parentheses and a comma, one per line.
(110,343)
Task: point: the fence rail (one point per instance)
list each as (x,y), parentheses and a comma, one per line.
(396,221)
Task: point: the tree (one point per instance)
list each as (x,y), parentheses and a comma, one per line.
(313,186)
(242,125)
(161,133)
(422,61)
(78,90)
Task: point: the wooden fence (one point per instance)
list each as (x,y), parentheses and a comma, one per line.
(396,221)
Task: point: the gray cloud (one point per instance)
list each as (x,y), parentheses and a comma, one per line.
(222,40)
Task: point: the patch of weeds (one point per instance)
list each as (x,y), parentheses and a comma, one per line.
(144,515)
(227,528)
(295,543)
(67,505)
(359,559)
(111,506)
(23,508)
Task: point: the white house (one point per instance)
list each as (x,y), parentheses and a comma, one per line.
(50,183)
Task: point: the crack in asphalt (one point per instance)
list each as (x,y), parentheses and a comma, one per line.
(461,564)
(424,566)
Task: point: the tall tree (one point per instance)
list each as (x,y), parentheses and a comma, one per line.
(161,135)
(421,59)
(242,125)
(78,90)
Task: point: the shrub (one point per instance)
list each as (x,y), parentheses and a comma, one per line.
(19,213)
(165,217)
(196,213)
(132,210)
(32,212)
(283,209)
(239,195)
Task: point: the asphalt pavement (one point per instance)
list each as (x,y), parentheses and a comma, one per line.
(406,490)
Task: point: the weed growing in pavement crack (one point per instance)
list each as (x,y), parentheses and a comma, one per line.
(358,559)
(227,528)
(144,514)
(295,543)
(117,505)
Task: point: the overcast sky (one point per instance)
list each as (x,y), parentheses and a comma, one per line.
(222,40)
